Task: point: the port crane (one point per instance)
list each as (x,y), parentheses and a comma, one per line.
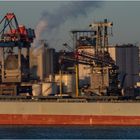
(15,43)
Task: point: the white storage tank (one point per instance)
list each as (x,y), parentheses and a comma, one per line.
(49,88)
(37,89)
(68,81)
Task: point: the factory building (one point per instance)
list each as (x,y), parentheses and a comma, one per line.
(125,56)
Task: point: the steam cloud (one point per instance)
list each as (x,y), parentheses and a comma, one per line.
(50,22)
(39,29)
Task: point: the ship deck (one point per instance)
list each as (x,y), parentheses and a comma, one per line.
(111,99)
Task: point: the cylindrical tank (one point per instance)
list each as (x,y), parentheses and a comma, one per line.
(68,81)
(49,88)
(36,89)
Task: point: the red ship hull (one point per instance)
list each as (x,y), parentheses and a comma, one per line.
(7,119)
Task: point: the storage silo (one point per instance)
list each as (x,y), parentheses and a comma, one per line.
(49,61)
(129,63)
(127,58)
(45,61)
(40,64)
(33,63)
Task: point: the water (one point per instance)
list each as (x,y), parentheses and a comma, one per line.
(69,132)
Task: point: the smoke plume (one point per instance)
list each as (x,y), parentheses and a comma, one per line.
(39,29)
(51,22)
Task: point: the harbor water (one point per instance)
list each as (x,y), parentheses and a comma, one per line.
(69,132)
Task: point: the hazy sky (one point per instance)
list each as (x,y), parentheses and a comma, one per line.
(125,17)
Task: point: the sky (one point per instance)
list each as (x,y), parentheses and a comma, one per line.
(53,21)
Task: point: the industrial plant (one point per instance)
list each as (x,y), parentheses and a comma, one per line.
(102,69)
(93,83)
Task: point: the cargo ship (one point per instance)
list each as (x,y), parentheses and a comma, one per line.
(24,101)
(69,112)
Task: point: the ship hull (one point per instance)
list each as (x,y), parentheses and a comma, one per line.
(57,113)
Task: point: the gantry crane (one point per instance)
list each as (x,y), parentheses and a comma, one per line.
(15,43)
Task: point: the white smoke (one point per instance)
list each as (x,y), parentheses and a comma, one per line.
(51,22)
(39,30)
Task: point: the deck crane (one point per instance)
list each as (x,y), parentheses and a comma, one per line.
(15,43)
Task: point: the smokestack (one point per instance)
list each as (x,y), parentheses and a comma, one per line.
(51,21)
